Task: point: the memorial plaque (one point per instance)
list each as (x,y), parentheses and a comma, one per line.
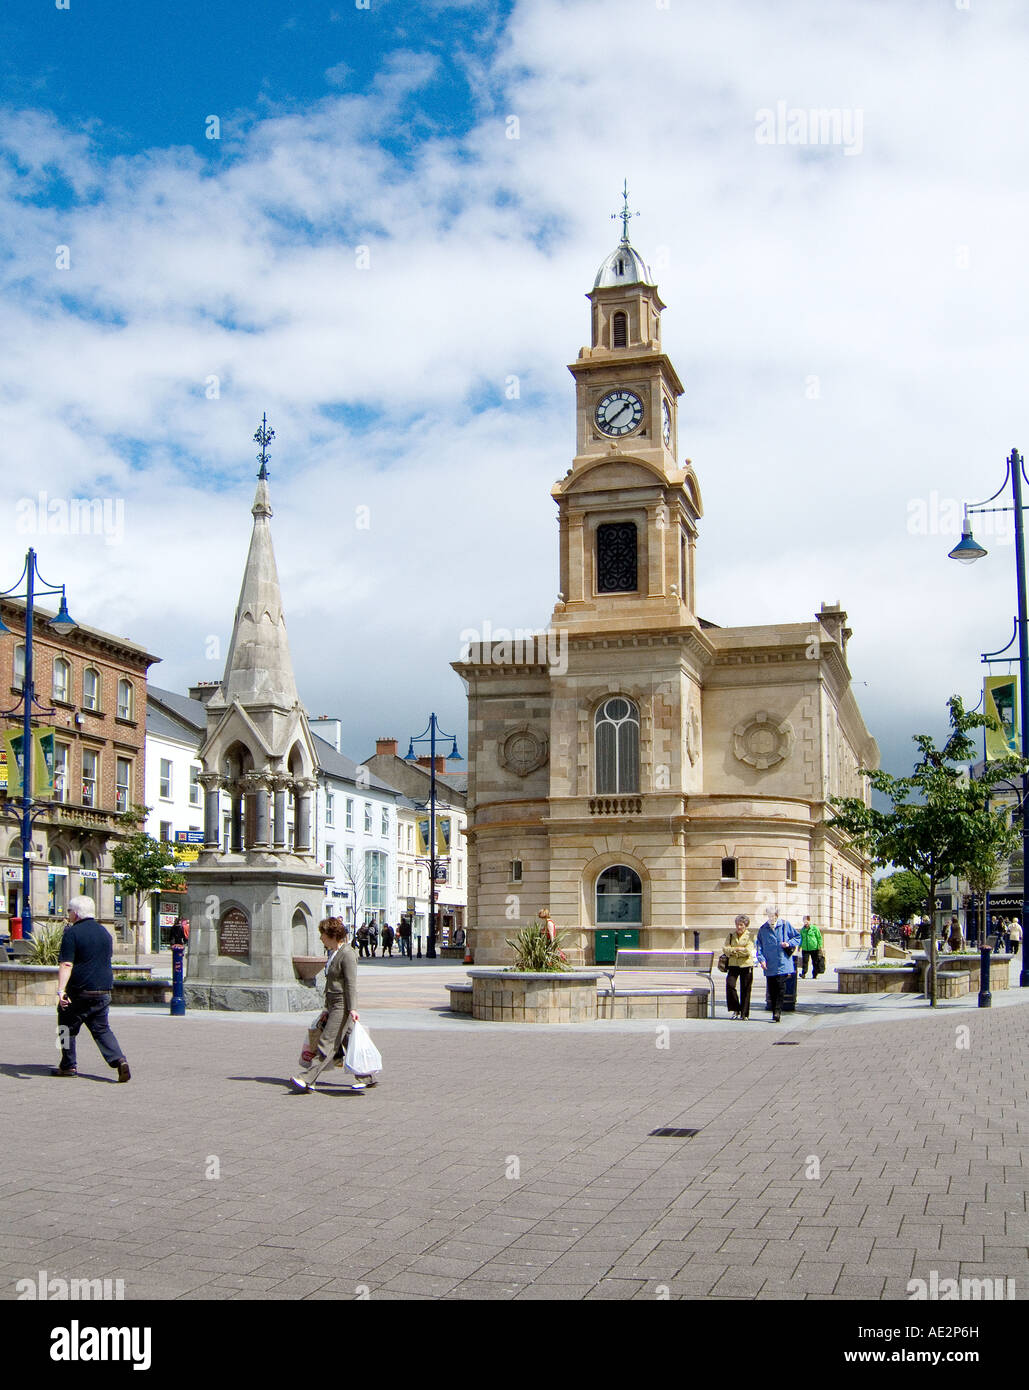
(234,934)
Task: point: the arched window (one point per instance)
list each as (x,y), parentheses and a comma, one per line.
(91,688)
(62,680)
(619,336)
(125,701)
(619,897)
(19,666)
(88,879)
(57,882)
(617,741)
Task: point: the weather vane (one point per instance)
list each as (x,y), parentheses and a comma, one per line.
(264,437)
(625,214)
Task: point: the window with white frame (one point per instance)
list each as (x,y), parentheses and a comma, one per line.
(194,784)
(62,680)
(166,830)
(329,866)
(410,839)
(19,666)
(791,871)
(375,868)
(368,817)
(125,699)
(91,688)
(329,810)
(385,820)
(90,776)
(350,813)
(348,860)
(61,751)
(122,783)
(165,791)
(617,739)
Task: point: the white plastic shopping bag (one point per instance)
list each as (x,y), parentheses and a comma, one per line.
(363,1057)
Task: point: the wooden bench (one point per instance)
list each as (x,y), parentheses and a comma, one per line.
(661,972)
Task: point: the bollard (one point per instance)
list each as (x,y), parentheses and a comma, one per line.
(985,997)
(178,1000)
(419,947)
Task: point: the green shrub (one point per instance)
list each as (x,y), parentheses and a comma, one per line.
(536,952)
(46,945)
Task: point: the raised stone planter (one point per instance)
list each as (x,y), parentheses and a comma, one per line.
(461,999)
(141,992)
(969,965)
(688,1005)
(501,996)
(859,979)
(36,985)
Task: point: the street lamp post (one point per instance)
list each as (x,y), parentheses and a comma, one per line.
(968,551)
(429,736)
(62,624)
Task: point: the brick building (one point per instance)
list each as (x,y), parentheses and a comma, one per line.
(95,684)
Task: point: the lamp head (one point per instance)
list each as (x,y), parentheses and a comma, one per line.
(967,550)
(63,623)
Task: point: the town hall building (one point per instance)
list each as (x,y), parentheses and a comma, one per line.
(666,773)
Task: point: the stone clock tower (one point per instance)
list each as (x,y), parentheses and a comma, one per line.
(650,773)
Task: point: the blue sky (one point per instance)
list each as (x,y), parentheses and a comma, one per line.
(403,213)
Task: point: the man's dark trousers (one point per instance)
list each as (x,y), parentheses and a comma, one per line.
(87,1007)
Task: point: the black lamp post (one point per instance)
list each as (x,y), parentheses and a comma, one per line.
(968,551)
(61,624)
(429,736)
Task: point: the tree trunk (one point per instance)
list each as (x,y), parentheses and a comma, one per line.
(932,943)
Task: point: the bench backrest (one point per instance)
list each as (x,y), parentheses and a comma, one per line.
(687,962)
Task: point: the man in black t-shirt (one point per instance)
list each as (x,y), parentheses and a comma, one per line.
(84,984)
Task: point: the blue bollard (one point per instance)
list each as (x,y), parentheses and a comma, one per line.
(985,996)
(178,1000)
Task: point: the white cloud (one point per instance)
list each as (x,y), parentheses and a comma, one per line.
(896,278)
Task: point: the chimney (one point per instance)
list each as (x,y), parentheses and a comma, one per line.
(203,690)
(441,763)
(386,747)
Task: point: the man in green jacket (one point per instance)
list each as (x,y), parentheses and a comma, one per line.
(810,942)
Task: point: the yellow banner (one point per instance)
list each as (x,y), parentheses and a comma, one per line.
(442,836)
(1000,700)
(3,769)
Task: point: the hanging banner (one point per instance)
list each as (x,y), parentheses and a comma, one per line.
(42,764)
(423,836)
(443,835)
(1000,700)
(3,770)
(43,767)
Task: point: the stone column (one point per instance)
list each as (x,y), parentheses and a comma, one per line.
(211,783)
(279,786)
(303,790)
(236,831)
(256,787)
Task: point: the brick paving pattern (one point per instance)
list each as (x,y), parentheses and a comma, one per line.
(403,1192)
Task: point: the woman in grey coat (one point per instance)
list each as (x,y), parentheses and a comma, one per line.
(340,1003)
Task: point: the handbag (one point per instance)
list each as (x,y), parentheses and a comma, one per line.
(723,962)
(818,964)
(362,1057)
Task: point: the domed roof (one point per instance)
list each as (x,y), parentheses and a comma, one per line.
(624,266)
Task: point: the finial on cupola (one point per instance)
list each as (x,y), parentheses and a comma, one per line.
(625,214)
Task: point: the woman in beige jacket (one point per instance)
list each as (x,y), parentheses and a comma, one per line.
(739,947)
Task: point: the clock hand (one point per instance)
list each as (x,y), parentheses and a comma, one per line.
(624,406)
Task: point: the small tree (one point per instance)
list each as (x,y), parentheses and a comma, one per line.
(142,864)
(899,895)
(987,864)
(938,817)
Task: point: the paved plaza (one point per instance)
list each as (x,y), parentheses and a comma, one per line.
(498,1161)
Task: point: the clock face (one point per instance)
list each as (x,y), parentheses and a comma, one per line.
(619,412)
(666,424)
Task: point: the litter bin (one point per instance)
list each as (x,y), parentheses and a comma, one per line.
(789,995)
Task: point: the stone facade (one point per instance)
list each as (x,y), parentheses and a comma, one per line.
(637,766)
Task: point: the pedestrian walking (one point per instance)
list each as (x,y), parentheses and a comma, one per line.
(404,936)
(340,1012)
(810,945)
(1014,935)
(774,950)
(373,937)
(739,978)
(362,941)
(387,940)
(954,938)
(84,984)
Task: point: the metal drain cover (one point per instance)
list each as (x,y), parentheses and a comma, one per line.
(669,1133)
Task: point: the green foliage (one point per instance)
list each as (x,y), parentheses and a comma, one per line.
(535,951)
(46,944)
(143,863)
(939,819)
(899,895)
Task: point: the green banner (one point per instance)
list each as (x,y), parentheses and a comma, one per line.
(1000,700)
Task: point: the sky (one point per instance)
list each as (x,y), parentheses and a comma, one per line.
(367,220)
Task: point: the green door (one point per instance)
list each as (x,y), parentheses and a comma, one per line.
(608,942)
